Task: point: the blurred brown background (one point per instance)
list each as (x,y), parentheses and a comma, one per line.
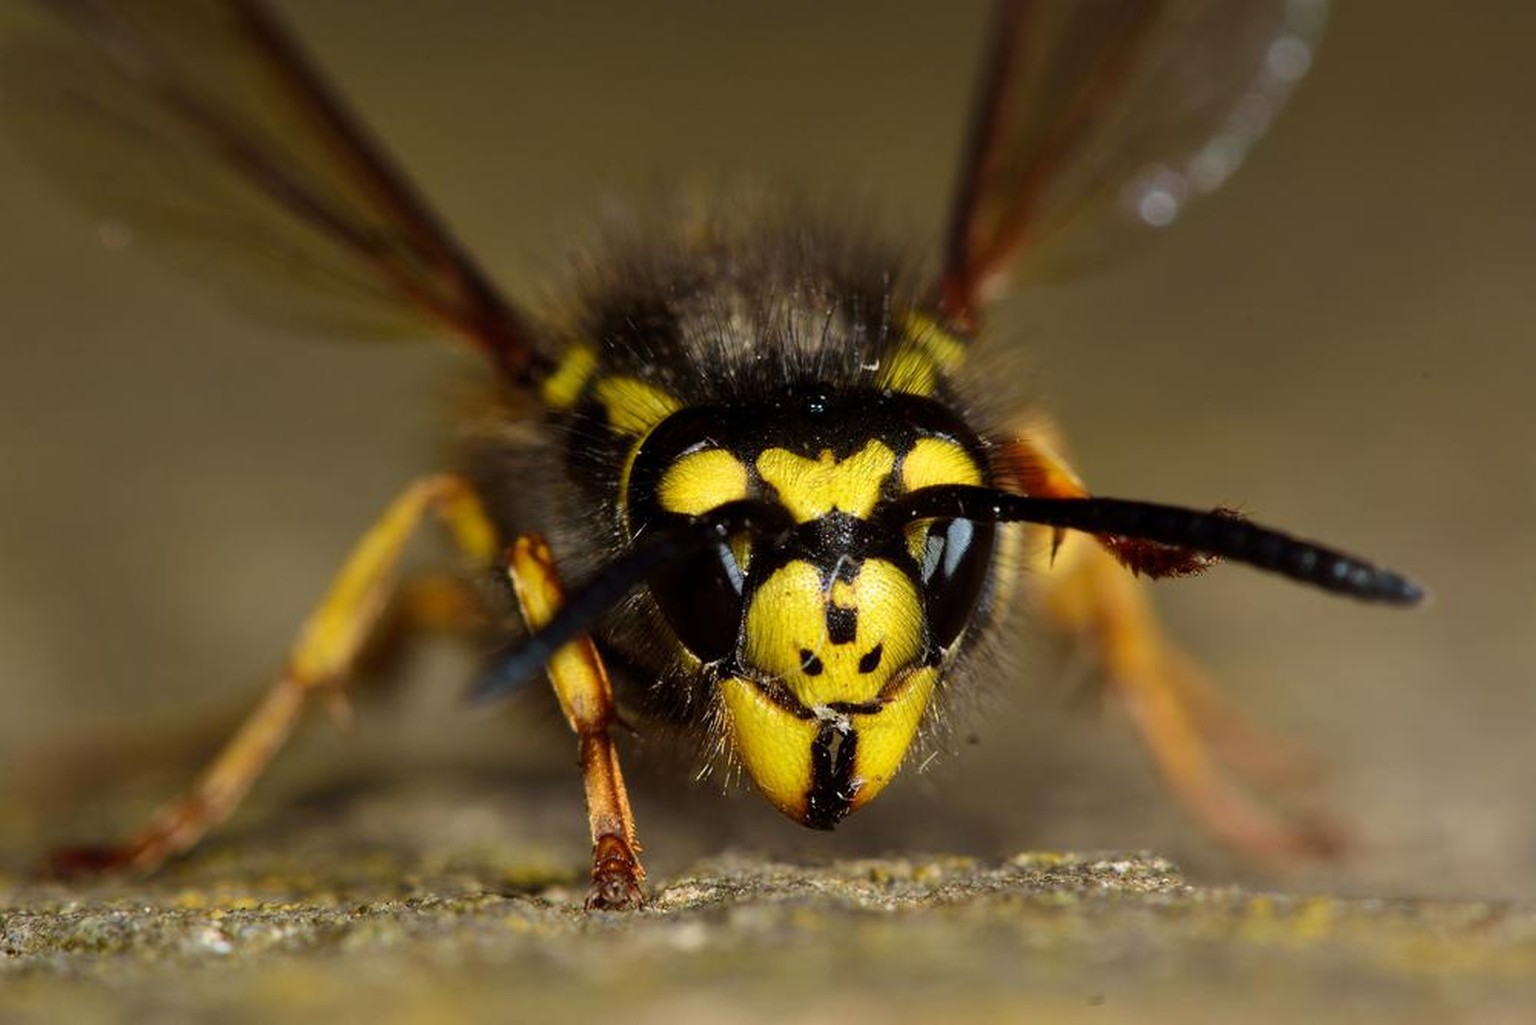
(1339,341)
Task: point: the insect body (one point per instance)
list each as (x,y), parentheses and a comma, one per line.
(758,445)
(795,384)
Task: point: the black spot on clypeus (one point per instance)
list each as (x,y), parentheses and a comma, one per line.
(842,624)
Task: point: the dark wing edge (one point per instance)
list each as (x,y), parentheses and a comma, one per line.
(345,191)
(1091,116)
(956,289)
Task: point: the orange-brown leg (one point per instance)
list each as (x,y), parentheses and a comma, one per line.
(586,698)
(319,662)
(61,771)
(1192,733)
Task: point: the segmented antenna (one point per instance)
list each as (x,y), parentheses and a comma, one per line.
(1210,533)
(648,555)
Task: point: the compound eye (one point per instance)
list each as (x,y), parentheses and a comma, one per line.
(702,601)
(956,554)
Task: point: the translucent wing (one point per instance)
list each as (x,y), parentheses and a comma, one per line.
(1096,115)
(200,126)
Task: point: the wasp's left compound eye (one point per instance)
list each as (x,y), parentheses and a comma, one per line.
(954,566)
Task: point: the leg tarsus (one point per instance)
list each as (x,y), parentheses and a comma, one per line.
(179,825)
(616,876)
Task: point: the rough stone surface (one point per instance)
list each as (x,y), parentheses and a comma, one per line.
(384,909)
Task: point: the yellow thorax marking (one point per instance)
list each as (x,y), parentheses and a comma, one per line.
(812,488)
(562,388)
(633,406)
(927,352)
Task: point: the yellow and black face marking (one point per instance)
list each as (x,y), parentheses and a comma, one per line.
(825,644)
(744,433)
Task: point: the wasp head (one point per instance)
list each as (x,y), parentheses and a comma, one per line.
(826,627)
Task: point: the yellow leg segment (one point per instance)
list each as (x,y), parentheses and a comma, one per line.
(586,697)
(320,660)
(1197,739)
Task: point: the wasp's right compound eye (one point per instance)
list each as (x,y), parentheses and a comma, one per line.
(702,600)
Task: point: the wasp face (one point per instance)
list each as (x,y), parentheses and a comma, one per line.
(826,640)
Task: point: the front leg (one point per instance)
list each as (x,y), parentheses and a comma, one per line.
(586,697)
(1195,736)
(320,663)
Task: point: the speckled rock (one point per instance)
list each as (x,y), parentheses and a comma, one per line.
(333,923)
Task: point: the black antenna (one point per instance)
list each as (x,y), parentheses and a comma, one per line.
(1211,533)
(650,553)
(1219,533)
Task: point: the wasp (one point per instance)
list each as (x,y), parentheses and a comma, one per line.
(762,445)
